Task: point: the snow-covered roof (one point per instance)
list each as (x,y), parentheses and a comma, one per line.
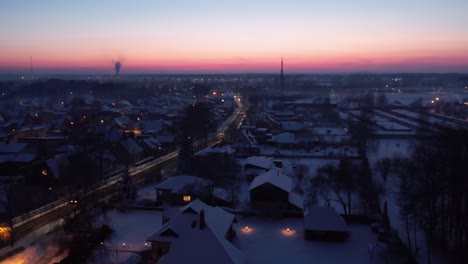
(176,183)
(217,150)
(165,138)
(249,137)
(131,146)
(274,177)
(67,148)
(150,126)
(192,244)
(125,103)
(260,162)
(58,165)
(283,113)
(12,147)
(292,125)
(158,110)
(106,108)
(122,121)
(216,217)
(222,194)
(284,138)
(197,245)
(22,157)
(330,130)
(324,219)
(151,142)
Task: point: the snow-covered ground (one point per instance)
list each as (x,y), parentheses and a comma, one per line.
(147,192)
(267,241)
(388,148)
(130,231)
(131,228)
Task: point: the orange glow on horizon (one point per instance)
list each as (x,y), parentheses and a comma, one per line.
(260,63)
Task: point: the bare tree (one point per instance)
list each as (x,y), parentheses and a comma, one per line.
(384,167)
(433,186)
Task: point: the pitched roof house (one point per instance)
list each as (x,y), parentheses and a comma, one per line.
(198,234)
(272,192)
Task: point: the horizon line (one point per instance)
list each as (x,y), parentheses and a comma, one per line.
(229,73)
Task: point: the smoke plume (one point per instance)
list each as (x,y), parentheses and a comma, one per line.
(117,66)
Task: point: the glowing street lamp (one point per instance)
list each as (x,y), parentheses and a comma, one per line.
(288,232)
(247,230)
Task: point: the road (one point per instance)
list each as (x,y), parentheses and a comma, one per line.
(37,218)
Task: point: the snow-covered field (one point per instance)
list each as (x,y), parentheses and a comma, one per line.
(267,241)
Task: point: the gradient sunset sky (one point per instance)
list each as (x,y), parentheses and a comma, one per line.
(234,36)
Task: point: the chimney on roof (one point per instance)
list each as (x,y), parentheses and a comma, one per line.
(202,219)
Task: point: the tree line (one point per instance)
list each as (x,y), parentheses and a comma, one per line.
(433,197)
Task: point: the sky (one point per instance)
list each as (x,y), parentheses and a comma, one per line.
(217,36)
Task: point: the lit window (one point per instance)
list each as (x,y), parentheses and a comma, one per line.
(187,198)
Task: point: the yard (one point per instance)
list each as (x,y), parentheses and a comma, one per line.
(270,241)
(130,231)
